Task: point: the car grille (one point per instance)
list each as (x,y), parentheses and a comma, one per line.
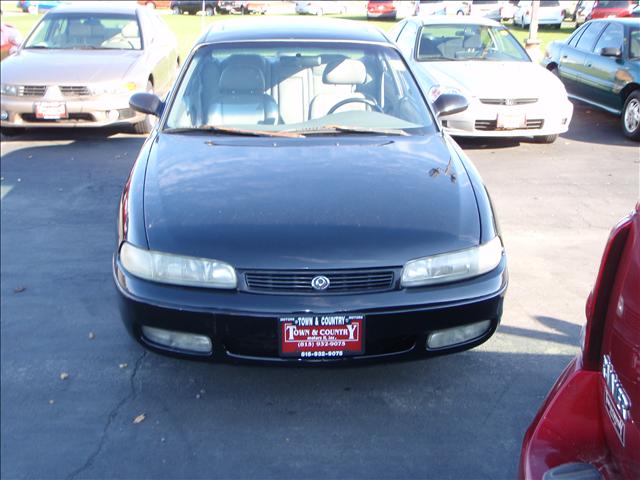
(508,101)
(340,281)
(74,90)
(32,90)
(488,125)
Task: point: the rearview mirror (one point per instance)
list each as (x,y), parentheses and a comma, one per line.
(450,103)
(146,103)
(610,52)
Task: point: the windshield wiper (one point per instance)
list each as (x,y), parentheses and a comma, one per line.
(233,131)
(329,129)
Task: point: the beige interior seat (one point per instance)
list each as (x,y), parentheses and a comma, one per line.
(340,81)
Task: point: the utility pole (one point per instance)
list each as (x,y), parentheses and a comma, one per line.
(532,44)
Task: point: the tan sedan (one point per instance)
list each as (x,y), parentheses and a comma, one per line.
(80,65)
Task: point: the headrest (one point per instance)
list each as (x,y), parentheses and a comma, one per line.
(242,79)
(130,30)
(345,72)
(472,42)
(79,30)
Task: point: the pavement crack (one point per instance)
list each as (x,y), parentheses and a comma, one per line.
(110,418)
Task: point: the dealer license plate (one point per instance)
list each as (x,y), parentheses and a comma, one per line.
(511,121)
(321,336)
(51,110)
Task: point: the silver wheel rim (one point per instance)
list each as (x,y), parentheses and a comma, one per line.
(632,115)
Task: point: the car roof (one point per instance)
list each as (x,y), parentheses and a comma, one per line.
(624,21)
(97,7)
(455,20)
(292,28)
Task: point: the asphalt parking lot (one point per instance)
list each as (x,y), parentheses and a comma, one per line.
(459,416)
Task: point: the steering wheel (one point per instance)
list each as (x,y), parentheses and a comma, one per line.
(367,101)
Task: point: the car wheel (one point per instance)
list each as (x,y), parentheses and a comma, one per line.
(459,12)
(150,5)
(209,11)
(631,116)
(176,11)
(545,138)
(145,126)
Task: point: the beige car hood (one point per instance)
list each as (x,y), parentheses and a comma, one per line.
(67,67)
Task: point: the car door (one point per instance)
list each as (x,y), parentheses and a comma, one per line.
(603,81)
(571,65)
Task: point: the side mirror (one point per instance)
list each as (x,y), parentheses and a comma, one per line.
(610,52)
(146,103)
(450,103)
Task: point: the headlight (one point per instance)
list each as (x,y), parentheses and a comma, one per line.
(11,90)
(112,88)
(437,90)
(175,269)
(449,267)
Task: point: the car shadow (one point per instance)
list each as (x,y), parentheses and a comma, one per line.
(564,332)
(482,143)
(591,125)
(76,134)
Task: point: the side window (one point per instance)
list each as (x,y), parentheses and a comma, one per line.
(407,39)
(613,37)
(588,38)
(573,40)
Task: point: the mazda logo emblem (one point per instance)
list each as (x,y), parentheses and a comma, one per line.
(320,282)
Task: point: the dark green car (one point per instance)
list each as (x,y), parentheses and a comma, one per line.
(599,64)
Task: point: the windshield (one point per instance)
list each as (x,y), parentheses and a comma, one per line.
(87,31)
(469,42)
(306,88)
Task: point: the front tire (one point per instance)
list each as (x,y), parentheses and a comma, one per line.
(545,138)
(176,11)
(146,125)
(631,116)
(209,11)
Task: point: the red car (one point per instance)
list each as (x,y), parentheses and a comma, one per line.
(589,424)
(10,40)
(390,9)
(615,8)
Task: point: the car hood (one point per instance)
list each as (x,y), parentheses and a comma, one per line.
(308,203)
(74,67)
(487,79)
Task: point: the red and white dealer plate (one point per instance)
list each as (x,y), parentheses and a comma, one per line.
(51,110)
(321,336)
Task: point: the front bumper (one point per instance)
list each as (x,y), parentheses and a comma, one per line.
(82,112)
(481,120)
(243,326)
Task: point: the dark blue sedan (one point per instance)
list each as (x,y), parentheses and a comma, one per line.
(298,202)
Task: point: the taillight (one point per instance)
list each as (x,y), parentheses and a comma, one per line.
(598,301)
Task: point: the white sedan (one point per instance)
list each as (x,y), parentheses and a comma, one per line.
(508,94)
(550,12)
